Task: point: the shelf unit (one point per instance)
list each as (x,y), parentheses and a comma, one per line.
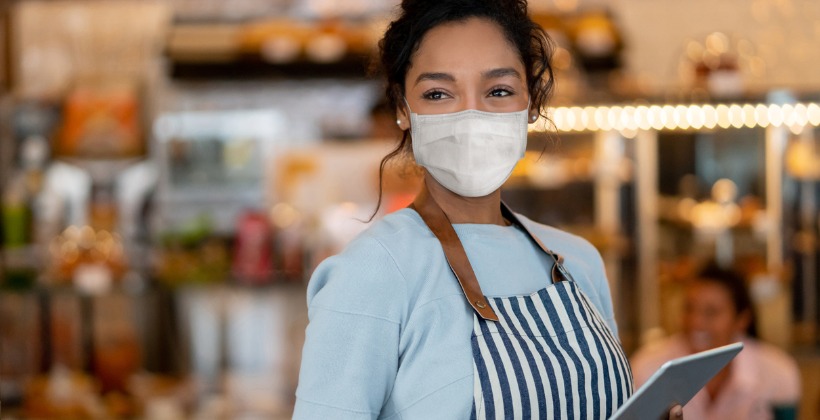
(641,128)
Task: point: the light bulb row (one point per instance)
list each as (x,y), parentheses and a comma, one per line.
(680,117)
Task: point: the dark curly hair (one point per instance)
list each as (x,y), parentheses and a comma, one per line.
(417,17)
(734,284)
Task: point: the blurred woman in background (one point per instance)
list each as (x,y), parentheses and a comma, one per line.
(762,382)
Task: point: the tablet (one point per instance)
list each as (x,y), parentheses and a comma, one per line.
(676,382)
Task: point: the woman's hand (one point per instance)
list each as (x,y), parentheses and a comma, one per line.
(675,413)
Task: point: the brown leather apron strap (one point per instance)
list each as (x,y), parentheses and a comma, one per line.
(435,218)
(440,225)
(559,273)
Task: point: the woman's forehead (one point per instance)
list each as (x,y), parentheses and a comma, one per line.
(475,45)
(701,287)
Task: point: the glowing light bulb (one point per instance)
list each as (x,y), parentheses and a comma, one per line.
(762,115)
(669,117)
(629,133)
(681,117)
(643,118)
(656,117)
(796,129)
(775,115)
(613,118)
(695,116)
(788,115)
(736,115)
(589,118)
(813,112)
(559,118)
(749,119)
(578,117)
(801,114)
(628,118)
(710,119)
(723,116)
(569,119)
(601,118)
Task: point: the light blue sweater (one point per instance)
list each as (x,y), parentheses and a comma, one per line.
(389,332)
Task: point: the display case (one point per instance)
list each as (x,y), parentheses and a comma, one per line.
(710,181)
(214,163)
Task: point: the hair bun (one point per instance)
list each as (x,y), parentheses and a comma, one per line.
(412,6)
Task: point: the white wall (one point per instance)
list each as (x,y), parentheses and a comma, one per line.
(785,33)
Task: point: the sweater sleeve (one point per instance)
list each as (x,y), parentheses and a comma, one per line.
(604,292)
(599,292)
(351,351)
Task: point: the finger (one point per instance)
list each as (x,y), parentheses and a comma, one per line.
(676,413)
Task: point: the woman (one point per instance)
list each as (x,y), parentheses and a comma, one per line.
(457,307)
(762,382)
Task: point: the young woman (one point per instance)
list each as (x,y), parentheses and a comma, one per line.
(762,382)
(458,307)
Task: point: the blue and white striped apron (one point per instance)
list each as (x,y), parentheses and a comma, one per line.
(549,356)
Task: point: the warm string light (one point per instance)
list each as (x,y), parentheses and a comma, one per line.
(630,119)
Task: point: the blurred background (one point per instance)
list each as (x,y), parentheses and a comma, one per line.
(173,170)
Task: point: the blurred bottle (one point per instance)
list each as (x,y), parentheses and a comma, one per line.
(34,155)
(16,216)
(103,209)
(252,260)
(21,199)
(116,346)
(290,240)
(24,207)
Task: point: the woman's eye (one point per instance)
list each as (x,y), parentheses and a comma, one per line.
(434,95)
(500,92)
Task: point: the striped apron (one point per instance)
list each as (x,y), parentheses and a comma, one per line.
(548,355)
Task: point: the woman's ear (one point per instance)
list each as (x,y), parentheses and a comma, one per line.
(402,119)
(532,116)
(742,322)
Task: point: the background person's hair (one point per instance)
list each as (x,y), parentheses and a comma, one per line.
(404,35)
(735,284)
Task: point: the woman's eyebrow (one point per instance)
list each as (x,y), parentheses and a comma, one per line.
(435,76)
(500,72)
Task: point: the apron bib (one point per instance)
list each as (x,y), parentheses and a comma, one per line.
(547,355)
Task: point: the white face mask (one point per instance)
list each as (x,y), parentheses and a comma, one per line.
(471,153)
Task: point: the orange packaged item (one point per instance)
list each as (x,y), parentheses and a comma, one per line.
(101,122)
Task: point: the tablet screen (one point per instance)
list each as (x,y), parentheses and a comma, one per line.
(676,382)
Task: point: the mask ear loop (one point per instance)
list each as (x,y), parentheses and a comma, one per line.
(407,104)
(409,112)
